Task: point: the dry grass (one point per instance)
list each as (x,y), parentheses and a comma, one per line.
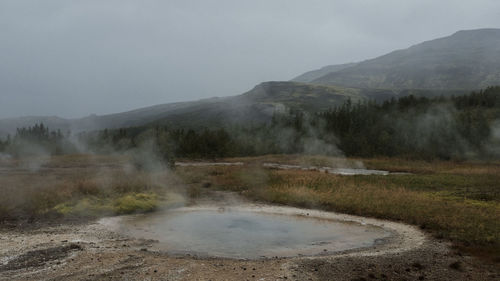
(457,201)
(296,159)
(81,185)
(437,166)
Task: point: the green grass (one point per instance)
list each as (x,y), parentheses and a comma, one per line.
(124,204)
(135,202)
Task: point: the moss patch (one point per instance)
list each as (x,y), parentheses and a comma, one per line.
(125,204)
(135,203)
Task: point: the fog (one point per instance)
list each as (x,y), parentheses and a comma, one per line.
(74,58)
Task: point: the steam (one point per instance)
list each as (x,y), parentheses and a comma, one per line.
(436,129)
(493,145)
(147,153)
(5,156)
(31,154)
(147,157)
(309,137)
(91,182)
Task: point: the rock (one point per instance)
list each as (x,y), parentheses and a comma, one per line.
(456,265)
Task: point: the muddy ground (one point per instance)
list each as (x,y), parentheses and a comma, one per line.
(90,251)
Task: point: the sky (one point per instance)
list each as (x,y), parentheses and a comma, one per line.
(76,58)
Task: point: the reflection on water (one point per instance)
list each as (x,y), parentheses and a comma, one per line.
(245,234)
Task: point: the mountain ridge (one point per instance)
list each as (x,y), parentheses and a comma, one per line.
(256,105)
(465,60)
(318,73)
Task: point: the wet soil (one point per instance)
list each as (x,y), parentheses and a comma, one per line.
(38,258)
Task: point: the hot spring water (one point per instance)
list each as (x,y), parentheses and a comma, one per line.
(240,233)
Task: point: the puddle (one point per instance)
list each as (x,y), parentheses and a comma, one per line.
(205,164)
(337,171)
(244,234)
(330,170)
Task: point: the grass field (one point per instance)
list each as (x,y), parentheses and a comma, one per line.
(81,186)
(456,201)
(459,201)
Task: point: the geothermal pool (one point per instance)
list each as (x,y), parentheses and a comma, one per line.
(247,234)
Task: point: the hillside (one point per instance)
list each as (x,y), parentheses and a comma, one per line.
(466,60)
(318,73)
(256,105)
(301,96)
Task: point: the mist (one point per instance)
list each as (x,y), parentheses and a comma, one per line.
(258,140)
(74,58)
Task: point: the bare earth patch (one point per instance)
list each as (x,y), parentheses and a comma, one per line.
(92,252)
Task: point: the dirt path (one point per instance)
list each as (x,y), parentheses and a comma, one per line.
(91,251)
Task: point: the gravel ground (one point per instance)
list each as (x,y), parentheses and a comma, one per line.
(91,251)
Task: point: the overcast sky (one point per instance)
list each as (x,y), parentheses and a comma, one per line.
(75,58)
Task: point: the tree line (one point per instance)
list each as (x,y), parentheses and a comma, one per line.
(37,140)
(414,127)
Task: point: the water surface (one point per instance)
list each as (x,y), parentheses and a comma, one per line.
(247,234)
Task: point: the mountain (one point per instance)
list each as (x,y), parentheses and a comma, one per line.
(318,73)
(466,60)
(257,105)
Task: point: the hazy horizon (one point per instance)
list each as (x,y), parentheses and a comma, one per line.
(72,59)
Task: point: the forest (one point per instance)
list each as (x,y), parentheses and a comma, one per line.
(456,127)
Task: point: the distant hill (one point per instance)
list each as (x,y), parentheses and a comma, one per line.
(318,73)
(466,60)
(257,105)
